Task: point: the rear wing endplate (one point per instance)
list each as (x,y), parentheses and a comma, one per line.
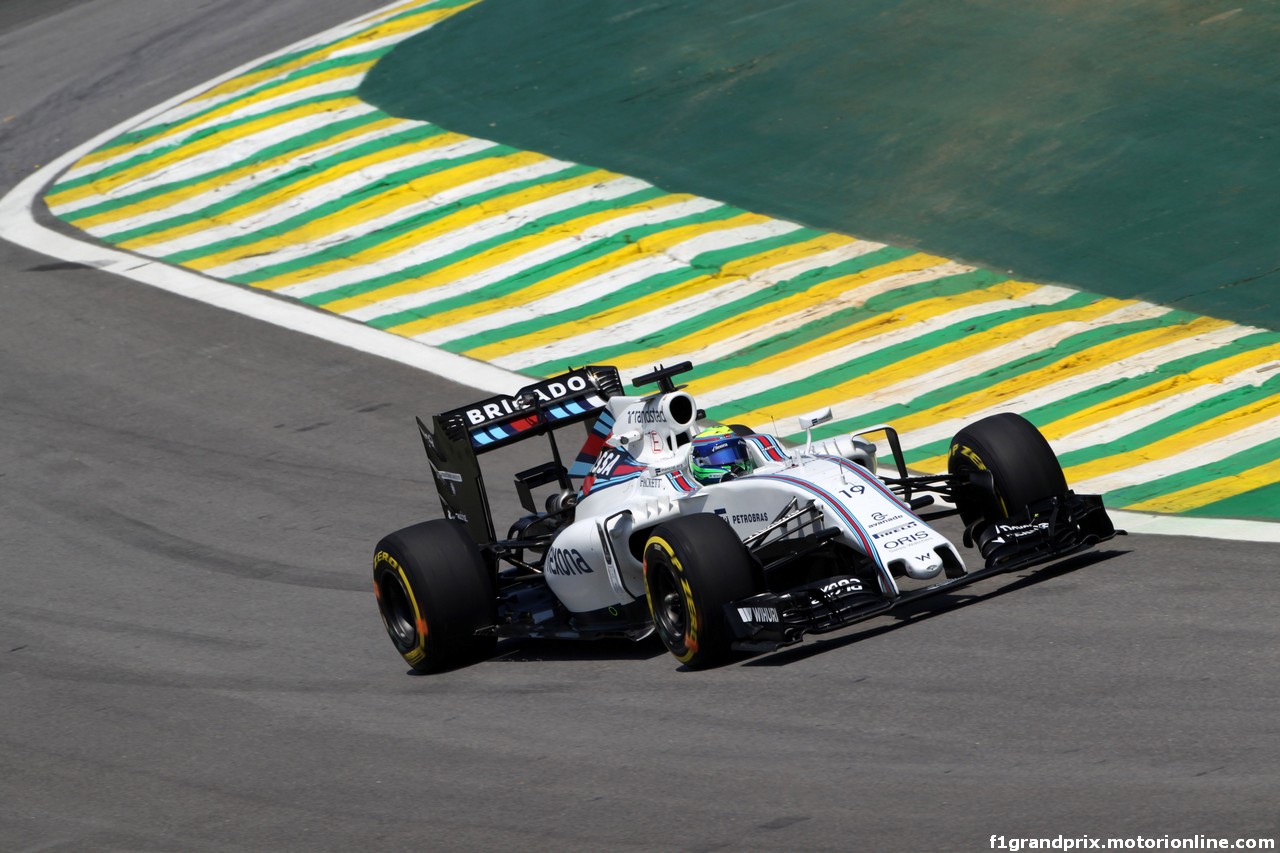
(456,438)
(456,471)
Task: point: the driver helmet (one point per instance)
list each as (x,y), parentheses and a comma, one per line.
(719,453)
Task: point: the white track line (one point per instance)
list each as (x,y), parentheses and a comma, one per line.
(1199,455)
(150,216)
(527,261)
(289,203)
(344,85)
(642,323)
(501,223)
(674,258)
(863,347)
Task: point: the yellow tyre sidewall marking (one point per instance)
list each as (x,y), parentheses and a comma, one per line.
(976,460)
(418,652)
(691,611)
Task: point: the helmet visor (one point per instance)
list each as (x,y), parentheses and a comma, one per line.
(722,454)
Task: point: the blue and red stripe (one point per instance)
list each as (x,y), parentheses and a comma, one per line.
(871,480)
(681,482)
(769,446)
(844,512)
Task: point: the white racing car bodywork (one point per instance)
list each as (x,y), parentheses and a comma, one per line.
(870,518)
(818,538)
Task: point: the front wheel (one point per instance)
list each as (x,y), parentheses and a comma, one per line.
(693,567)
(434,593)
(1022,468)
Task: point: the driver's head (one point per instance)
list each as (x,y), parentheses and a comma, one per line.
(718,453)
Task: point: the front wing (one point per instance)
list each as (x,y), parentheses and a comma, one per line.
(1051,529)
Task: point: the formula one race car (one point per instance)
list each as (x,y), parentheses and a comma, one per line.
(716,537)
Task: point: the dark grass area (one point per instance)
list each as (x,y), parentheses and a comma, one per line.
(1126,148)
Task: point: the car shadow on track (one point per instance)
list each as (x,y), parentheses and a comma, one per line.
(927,608)
(530,651)
(537,650)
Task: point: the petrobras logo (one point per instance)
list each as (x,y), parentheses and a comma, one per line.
(497,408)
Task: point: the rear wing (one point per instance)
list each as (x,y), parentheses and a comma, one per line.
(456,438)
(555,402)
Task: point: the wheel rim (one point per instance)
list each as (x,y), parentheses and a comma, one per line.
(669,606)
(397,611)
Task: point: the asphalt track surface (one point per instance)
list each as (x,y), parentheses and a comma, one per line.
(190,656)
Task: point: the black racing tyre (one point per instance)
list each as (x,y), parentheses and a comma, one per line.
(741,429)
(1023,467)
(693,566)
(434,592)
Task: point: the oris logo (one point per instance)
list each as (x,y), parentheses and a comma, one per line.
(906,540)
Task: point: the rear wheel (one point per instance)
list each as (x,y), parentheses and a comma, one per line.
(693,566)
(434,592)
(1022,466)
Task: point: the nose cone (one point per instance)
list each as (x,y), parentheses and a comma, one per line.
(923,567)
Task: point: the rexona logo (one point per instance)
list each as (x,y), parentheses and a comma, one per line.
(496,408)
(567,561)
